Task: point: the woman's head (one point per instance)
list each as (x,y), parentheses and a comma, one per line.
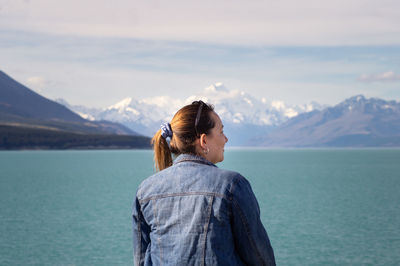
(193,131)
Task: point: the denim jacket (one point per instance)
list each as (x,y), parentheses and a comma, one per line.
(194,213)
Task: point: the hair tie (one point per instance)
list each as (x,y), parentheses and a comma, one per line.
(166,130)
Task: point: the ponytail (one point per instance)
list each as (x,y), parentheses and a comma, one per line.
(162,153)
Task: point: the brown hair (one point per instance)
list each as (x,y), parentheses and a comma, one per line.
(187,125)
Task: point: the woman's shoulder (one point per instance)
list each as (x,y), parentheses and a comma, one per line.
(150,182)
(236,179)
(230,175)
(188,176)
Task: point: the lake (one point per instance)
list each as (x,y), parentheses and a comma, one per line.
(319,206)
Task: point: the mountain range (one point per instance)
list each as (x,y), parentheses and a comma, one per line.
(29,120)
(248,121)
(243,115)
(355,122)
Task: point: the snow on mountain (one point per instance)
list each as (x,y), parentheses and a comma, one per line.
(146,114)
(235,107)
(84,112)
(355,122)
(240,107)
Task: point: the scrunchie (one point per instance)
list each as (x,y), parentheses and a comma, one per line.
(166,130)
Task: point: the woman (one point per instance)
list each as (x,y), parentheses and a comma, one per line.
(191,212)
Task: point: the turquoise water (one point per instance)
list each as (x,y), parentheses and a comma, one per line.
(320,207)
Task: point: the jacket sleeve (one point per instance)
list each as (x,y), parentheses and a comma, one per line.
(251,239)
(141,234)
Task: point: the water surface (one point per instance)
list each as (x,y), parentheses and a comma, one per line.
(320,207)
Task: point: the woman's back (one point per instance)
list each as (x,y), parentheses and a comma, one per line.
(194,213)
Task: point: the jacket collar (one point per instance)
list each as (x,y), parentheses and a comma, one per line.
(192,158)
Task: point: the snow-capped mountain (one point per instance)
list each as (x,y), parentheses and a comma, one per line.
(239,107)
(355,122)
(243,115)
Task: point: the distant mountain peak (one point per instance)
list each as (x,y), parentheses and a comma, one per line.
(356,98)
(121,104)
(360,97)
(361,104)
(352,103)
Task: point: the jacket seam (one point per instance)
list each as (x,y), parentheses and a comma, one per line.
(206,230)
(157,223)
(244,221)
(183,194)
(139,225)
(140,235)
(195,161)
(234,185)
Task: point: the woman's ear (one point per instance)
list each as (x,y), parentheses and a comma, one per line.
(203,141)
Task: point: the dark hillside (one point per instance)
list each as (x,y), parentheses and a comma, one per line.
(21,106)
(13,137)
(19,100)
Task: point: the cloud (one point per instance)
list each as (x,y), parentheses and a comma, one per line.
(386,76)
(36,83)
(286,22)
(98,71)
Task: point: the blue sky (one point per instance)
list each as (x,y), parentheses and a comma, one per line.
(95,53)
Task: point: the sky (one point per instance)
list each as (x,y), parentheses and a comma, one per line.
(98,52)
